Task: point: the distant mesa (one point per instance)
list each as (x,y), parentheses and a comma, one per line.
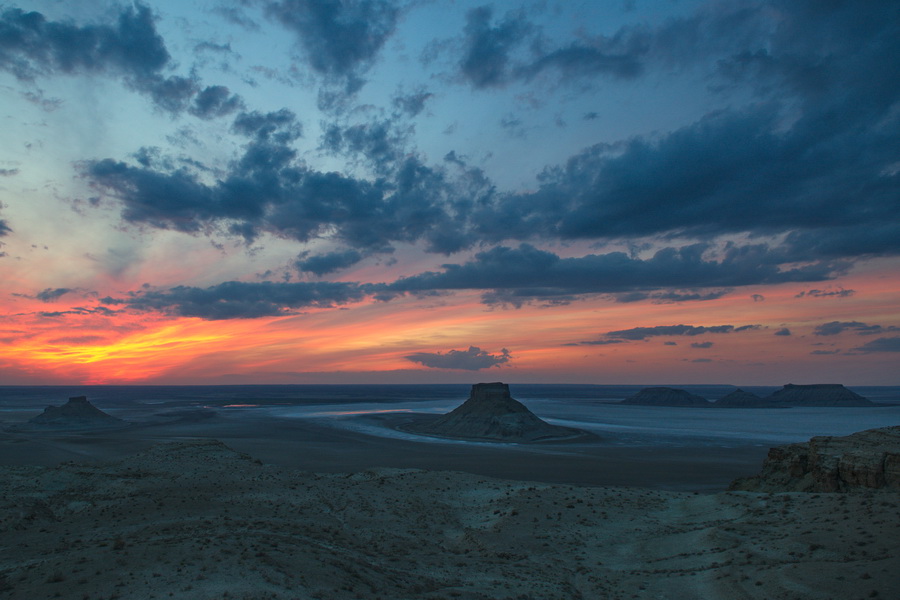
(77,413)
(791,395)
(741,399)
(820,394)
(491,414)
(666,396)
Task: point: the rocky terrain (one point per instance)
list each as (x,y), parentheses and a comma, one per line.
(194,519)
(666,396)
(868,460)
(77,413)
(491,414)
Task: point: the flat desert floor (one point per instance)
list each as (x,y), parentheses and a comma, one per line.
(319,446)
(194,519)
(292,509)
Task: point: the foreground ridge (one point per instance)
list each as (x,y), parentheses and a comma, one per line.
(866,460)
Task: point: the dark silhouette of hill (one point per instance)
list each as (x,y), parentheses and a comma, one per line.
(741,399)
(819,394)
(77,413)
(491,414)
(666,396)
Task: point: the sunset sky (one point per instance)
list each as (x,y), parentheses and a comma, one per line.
(352,191)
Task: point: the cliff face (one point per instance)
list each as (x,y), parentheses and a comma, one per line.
(666,396)
(820,394)
(865,460)
(491,414)
(77,413)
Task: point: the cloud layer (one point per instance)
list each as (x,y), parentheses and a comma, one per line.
(473,359)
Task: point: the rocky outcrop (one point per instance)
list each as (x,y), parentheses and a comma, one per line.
(666,396)
(741,399)
(491,414)
(820,394)
(864,460)
(77,413)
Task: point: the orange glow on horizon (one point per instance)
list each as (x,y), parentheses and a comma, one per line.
(546,343)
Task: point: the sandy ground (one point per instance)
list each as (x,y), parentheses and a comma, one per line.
(194,519)
(313,445)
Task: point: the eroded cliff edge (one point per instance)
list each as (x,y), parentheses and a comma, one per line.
(867,460)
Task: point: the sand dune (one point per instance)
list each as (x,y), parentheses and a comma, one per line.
(194,519)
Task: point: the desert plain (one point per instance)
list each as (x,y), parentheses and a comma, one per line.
(228,505)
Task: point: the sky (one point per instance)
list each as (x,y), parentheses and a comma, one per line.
(359,191)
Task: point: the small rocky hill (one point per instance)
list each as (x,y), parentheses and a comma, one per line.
(819,394)
(77,413)
(666,396)
(491,414)
(865,460)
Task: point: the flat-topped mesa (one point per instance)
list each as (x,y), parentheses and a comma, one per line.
(865,460)
(77,413)
(666,396)
(491,414)
(741,399)
(819,394)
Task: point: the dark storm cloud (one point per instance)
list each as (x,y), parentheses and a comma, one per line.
(643,333)
(473,359)
(215,101)
(322,264)
(281,125)
(669,296)
(52,294)
(486,60)
(838,327)
(412,104)
(812,160)
(839,293)
(8,172)
(267,192)
(702,345)
(267,189)
(729,172)
(340,38)
(78,310)
(784,331)
(579,60)
(494,54)
(379,144)
(497,52)
(599,342)
(881,345)
(813,157)
(527,272)
(4,230)
(32,47)
(238,300)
